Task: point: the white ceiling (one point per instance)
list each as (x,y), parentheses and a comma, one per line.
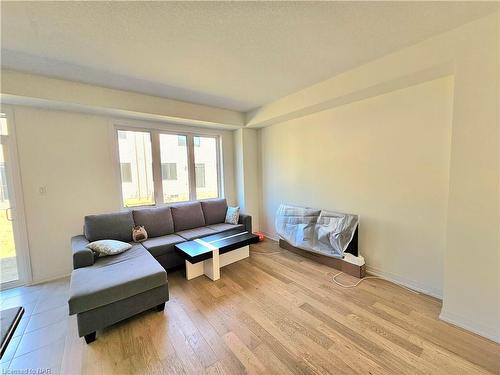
(237,55)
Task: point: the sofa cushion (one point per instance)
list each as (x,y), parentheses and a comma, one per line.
(224,227)
(157,221)
(214,210)
(191,234)
(187,216)
(130,273)
(161,245)
(114,226)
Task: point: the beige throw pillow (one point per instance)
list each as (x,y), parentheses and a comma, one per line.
(109,247)
(232,215)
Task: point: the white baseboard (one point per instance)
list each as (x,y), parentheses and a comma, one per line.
(48,279)
(491,333)
(271,237)
(404,281)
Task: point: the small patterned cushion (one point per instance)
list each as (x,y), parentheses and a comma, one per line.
(232,215)
(108,247)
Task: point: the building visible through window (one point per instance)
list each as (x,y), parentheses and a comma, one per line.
(200,175)
(126,172)
(169,171)
(4,196)
(181,141)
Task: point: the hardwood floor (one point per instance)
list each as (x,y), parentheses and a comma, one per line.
(279,313)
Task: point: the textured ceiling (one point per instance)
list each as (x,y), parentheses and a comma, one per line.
(237,55)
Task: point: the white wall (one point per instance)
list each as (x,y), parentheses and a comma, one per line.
(72,155)
(385,159)
(471,53)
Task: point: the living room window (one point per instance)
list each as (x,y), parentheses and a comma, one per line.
(159,167)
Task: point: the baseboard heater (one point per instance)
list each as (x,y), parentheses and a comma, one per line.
(327,237)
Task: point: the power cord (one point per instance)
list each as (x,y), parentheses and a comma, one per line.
(365,278)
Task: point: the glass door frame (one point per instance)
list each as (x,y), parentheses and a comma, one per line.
(15,191)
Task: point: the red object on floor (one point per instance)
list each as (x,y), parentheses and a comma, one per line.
(261,236)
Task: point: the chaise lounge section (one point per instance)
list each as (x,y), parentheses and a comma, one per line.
(106,290)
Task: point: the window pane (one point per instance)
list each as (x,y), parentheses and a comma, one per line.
(205,158)
(174,170)
(136,167)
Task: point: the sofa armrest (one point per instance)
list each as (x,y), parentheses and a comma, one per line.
(246,220)
(82,255)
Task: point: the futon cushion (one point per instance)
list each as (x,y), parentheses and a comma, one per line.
(191,234)
(111,281)
(157,221)
(114,226)
(161,245)
(224,227)
(214,210)
(187,216)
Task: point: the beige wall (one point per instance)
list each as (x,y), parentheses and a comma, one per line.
(247,173)
(384,158)
(72,155)
(32,89)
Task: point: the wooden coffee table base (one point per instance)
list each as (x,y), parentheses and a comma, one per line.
(211,267)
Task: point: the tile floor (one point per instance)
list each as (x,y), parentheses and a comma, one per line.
(38,341)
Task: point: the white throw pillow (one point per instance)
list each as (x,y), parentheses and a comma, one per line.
(232,215)
(109,247)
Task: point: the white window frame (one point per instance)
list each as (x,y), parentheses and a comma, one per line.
(155,132)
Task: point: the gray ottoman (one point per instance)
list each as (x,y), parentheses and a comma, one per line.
(115,288)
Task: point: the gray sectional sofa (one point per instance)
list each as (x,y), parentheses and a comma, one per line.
(106,290)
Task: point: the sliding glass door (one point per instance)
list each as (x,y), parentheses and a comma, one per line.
(14,265)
